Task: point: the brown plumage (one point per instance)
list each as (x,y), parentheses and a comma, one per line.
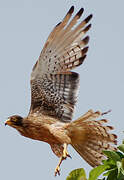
(54,94)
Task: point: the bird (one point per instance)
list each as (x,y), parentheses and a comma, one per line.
(54,92)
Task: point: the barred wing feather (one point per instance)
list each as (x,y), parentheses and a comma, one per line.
(53,85)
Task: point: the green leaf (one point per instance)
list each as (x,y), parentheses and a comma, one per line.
(96,172)
(110,162)
(120,154)
(113,155)
(113,175)
(109,171)
(122,161)
(122,166)
(77,174)
(122,171)
(121,177)
(121,147)
(119,167)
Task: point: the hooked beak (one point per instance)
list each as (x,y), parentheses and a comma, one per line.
(8,122)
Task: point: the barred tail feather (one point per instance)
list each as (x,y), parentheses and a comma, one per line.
(90,137)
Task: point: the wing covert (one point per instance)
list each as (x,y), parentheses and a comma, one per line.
(54,95)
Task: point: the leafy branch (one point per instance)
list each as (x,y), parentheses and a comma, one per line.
(111,169)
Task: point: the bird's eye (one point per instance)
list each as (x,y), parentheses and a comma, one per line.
(14,119)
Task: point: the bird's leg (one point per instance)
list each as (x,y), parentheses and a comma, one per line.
(63,157)
(65,152)
(57,169)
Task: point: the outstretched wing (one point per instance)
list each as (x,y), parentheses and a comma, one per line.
(53,85)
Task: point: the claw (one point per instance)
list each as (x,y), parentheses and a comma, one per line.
(57,170)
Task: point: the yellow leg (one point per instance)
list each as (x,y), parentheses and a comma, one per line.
(57,169)
(63,157)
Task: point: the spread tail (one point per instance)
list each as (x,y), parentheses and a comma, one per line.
(90,137)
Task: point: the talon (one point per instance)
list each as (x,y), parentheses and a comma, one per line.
(57,170)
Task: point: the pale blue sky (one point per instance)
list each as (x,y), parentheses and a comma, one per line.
(24,27)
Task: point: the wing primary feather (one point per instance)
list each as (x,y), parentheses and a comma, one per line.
(82,59)
(83,23)
(79,46)
(74,20)
(65,33)
(87,28)
(71,10)
(57,30)
(80,12)
(58,24)
(72,36)
(86,40)
(68,16)
(84,51)
(88,18)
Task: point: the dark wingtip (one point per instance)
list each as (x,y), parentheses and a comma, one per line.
(80,12)
(115,136)
(58,24)
(82,59)
(88,18)
(115,142)
(87,28)
(84,51)
(74,75)
(86,40)
(110,127)
(71,10)
(106,112)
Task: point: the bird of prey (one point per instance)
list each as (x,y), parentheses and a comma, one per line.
(54,94)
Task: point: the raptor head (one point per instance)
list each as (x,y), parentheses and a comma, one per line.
(14,121)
